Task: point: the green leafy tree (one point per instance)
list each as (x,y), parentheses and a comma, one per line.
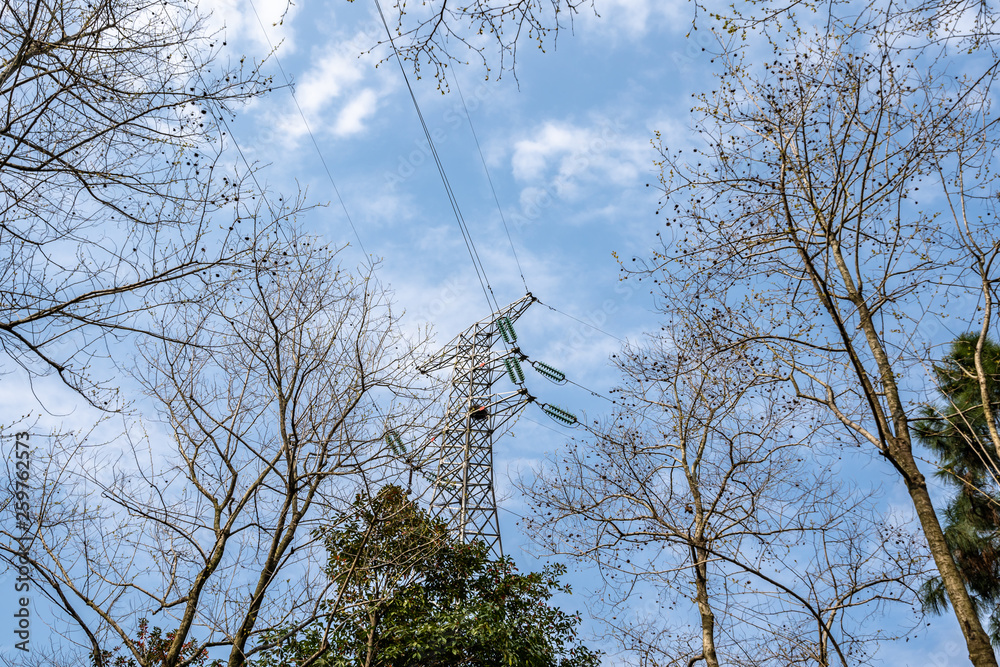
(958,432)
(154,647)
(410,594)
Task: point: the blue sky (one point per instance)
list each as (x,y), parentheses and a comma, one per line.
(567,142)
(567,145)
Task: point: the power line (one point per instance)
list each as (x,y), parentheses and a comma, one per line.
(587,324)
(489,178)
(595,393)
(453,200)
(309,131)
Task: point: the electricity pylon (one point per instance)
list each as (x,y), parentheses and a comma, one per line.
(462,445)
(463,490)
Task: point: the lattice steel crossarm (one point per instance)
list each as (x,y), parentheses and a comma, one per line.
(483,332)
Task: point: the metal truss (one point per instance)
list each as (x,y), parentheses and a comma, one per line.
(463,489)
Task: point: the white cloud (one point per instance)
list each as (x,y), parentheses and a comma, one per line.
(336,96)
(239,19)
(352,116)
(531,155)
(559,157)
(635,18)
(318,87)
(332,74)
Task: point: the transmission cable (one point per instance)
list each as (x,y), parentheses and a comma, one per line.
(463,226)
(309,131)
(586,324)
(489,178)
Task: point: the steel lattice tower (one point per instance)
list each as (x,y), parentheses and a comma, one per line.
(463,491)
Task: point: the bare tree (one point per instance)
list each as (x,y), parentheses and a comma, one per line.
(271,390)
(962,26)
(110,139)
(701,487)
(810,218)
(959,173)
(438,33)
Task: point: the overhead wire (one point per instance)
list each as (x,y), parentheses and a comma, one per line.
(309,131)
(489,178)
(619,404)
(583,322)
(592,392)
(319,151)
(453,200)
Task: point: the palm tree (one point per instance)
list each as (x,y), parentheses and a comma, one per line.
(958,433)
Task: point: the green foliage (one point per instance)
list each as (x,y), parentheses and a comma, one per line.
(958,433)
(414,596)
(153,646)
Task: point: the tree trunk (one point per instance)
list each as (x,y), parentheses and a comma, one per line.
(900,450)
(704,608)
(978,642)
(984,392)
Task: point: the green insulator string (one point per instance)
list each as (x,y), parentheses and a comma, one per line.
(514,371)
(506,330)
(559,414)
(548,372)
(395,443)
